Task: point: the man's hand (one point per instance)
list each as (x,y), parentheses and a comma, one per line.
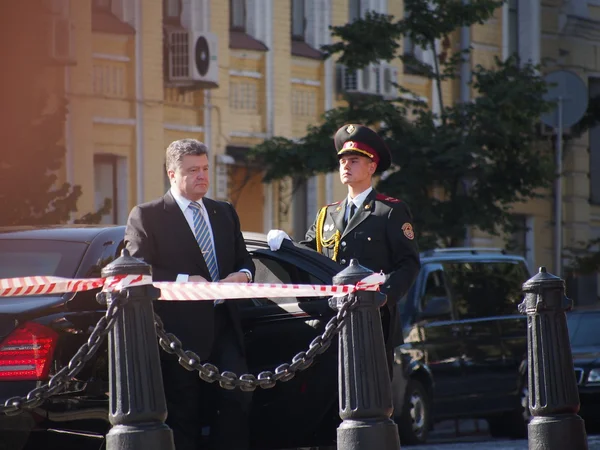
(197,279)
(275,238)
(235,277)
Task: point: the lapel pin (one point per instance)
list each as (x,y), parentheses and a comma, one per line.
(367,206)
(338,208)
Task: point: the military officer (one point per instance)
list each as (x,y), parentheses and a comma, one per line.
(373,228)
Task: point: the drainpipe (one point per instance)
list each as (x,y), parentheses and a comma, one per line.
(69,163)
(139,95)
(208,136)
(505,30)
(329,79)
(269,86)
(465,88)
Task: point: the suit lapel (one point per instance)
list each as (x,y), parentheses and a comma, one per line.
(175,220)
(361,214)
(337,215)
(218,236)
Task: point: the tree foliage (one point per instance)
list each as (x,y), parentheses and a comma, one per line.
(466,165)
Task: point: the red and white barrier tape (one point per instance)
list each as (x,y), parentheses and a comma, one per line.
(170,291)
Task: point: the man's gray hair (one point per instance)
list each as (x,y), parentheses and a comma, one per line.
(182,147)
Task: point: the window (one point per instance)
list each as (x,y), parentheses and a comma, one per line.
(594,139)
(414,55)
(435,288)
(243,96)
(270,271)
(513,27)
(172,11)
(237,15)
(583,329)
(20,258)
(354,10)
(304,103)
(522,239)
(110,182)
(298,20)
(486,289)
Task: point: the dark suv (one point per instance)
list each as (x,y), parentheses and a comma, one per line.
(461,320)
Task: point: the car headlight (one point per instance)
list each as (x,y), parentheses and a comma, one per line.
(594,376)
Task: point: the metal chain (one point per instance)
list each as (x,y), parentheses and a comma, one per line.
(16,405)
(266,380)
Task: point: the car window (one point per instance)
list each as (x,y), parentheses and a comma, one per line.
(271,271)
(486,288)
(435,287)
(583,329)
(20,258)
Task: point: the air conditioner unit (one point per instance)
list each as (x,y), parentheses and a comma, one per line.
(61,39)
(192,58)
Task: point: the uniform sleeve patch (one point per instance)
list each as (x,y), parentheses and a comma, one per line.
(408,231)
(385,198)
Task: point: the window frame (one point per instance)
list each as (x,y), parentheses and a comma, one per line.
(234,6)
(171,19)
(295,10)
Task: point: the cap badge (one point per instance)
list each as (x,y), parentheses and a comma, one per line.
(350,129)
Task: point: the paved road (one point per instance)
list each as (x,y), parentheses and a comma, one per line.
(593,444)
(473,435)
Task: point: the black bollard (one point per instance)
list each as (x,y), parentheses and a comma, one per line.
(553,394)
(365,390)
(137,409)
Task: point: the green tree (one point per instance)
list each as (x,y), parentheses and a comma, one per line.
(465,166)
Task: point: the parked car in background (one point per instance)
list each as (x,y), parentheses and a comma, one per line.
(585,345)
(461,320)
(300,413)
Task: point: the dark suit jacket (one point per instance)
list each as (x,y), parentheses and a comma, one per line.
(380,236)
(158,233)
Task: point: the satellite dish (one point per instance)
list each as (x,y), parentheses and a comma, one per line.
(202,53)
(570,90)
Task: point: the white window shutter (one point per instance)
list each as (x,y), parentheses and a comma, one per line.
(256,19)
(192,14)
(310,15)
(317,22)
(186,14)
(251,13)
(529,31)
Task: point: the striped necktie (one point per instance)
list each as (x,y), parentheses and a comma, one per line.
(202,235)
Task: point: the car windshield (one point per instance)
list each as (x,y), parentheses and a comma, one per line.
(20,258)
(583,328)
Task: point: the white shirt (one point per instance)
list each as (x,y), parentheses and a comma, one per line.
(184,204)
(188,213)
(358,201)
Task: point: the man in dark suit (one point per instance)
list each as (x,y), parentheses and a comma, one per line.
(188,237)
(373,228)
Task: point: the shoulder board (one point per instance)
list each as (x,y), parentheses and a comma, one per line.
(385,198)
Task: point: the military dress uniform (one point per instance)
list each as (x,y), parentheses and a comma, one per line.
(379,234)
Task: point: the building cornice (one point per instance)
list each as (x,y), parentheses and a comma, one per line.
(579,27)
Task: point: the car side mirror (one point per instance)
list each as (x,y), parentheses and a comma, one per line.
(436,307)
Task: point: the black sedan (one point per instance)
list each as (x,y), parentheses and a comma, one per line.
(39,335)
(585,345)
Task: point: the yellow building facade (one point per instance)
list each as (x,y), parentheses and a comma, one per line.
(235,72)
